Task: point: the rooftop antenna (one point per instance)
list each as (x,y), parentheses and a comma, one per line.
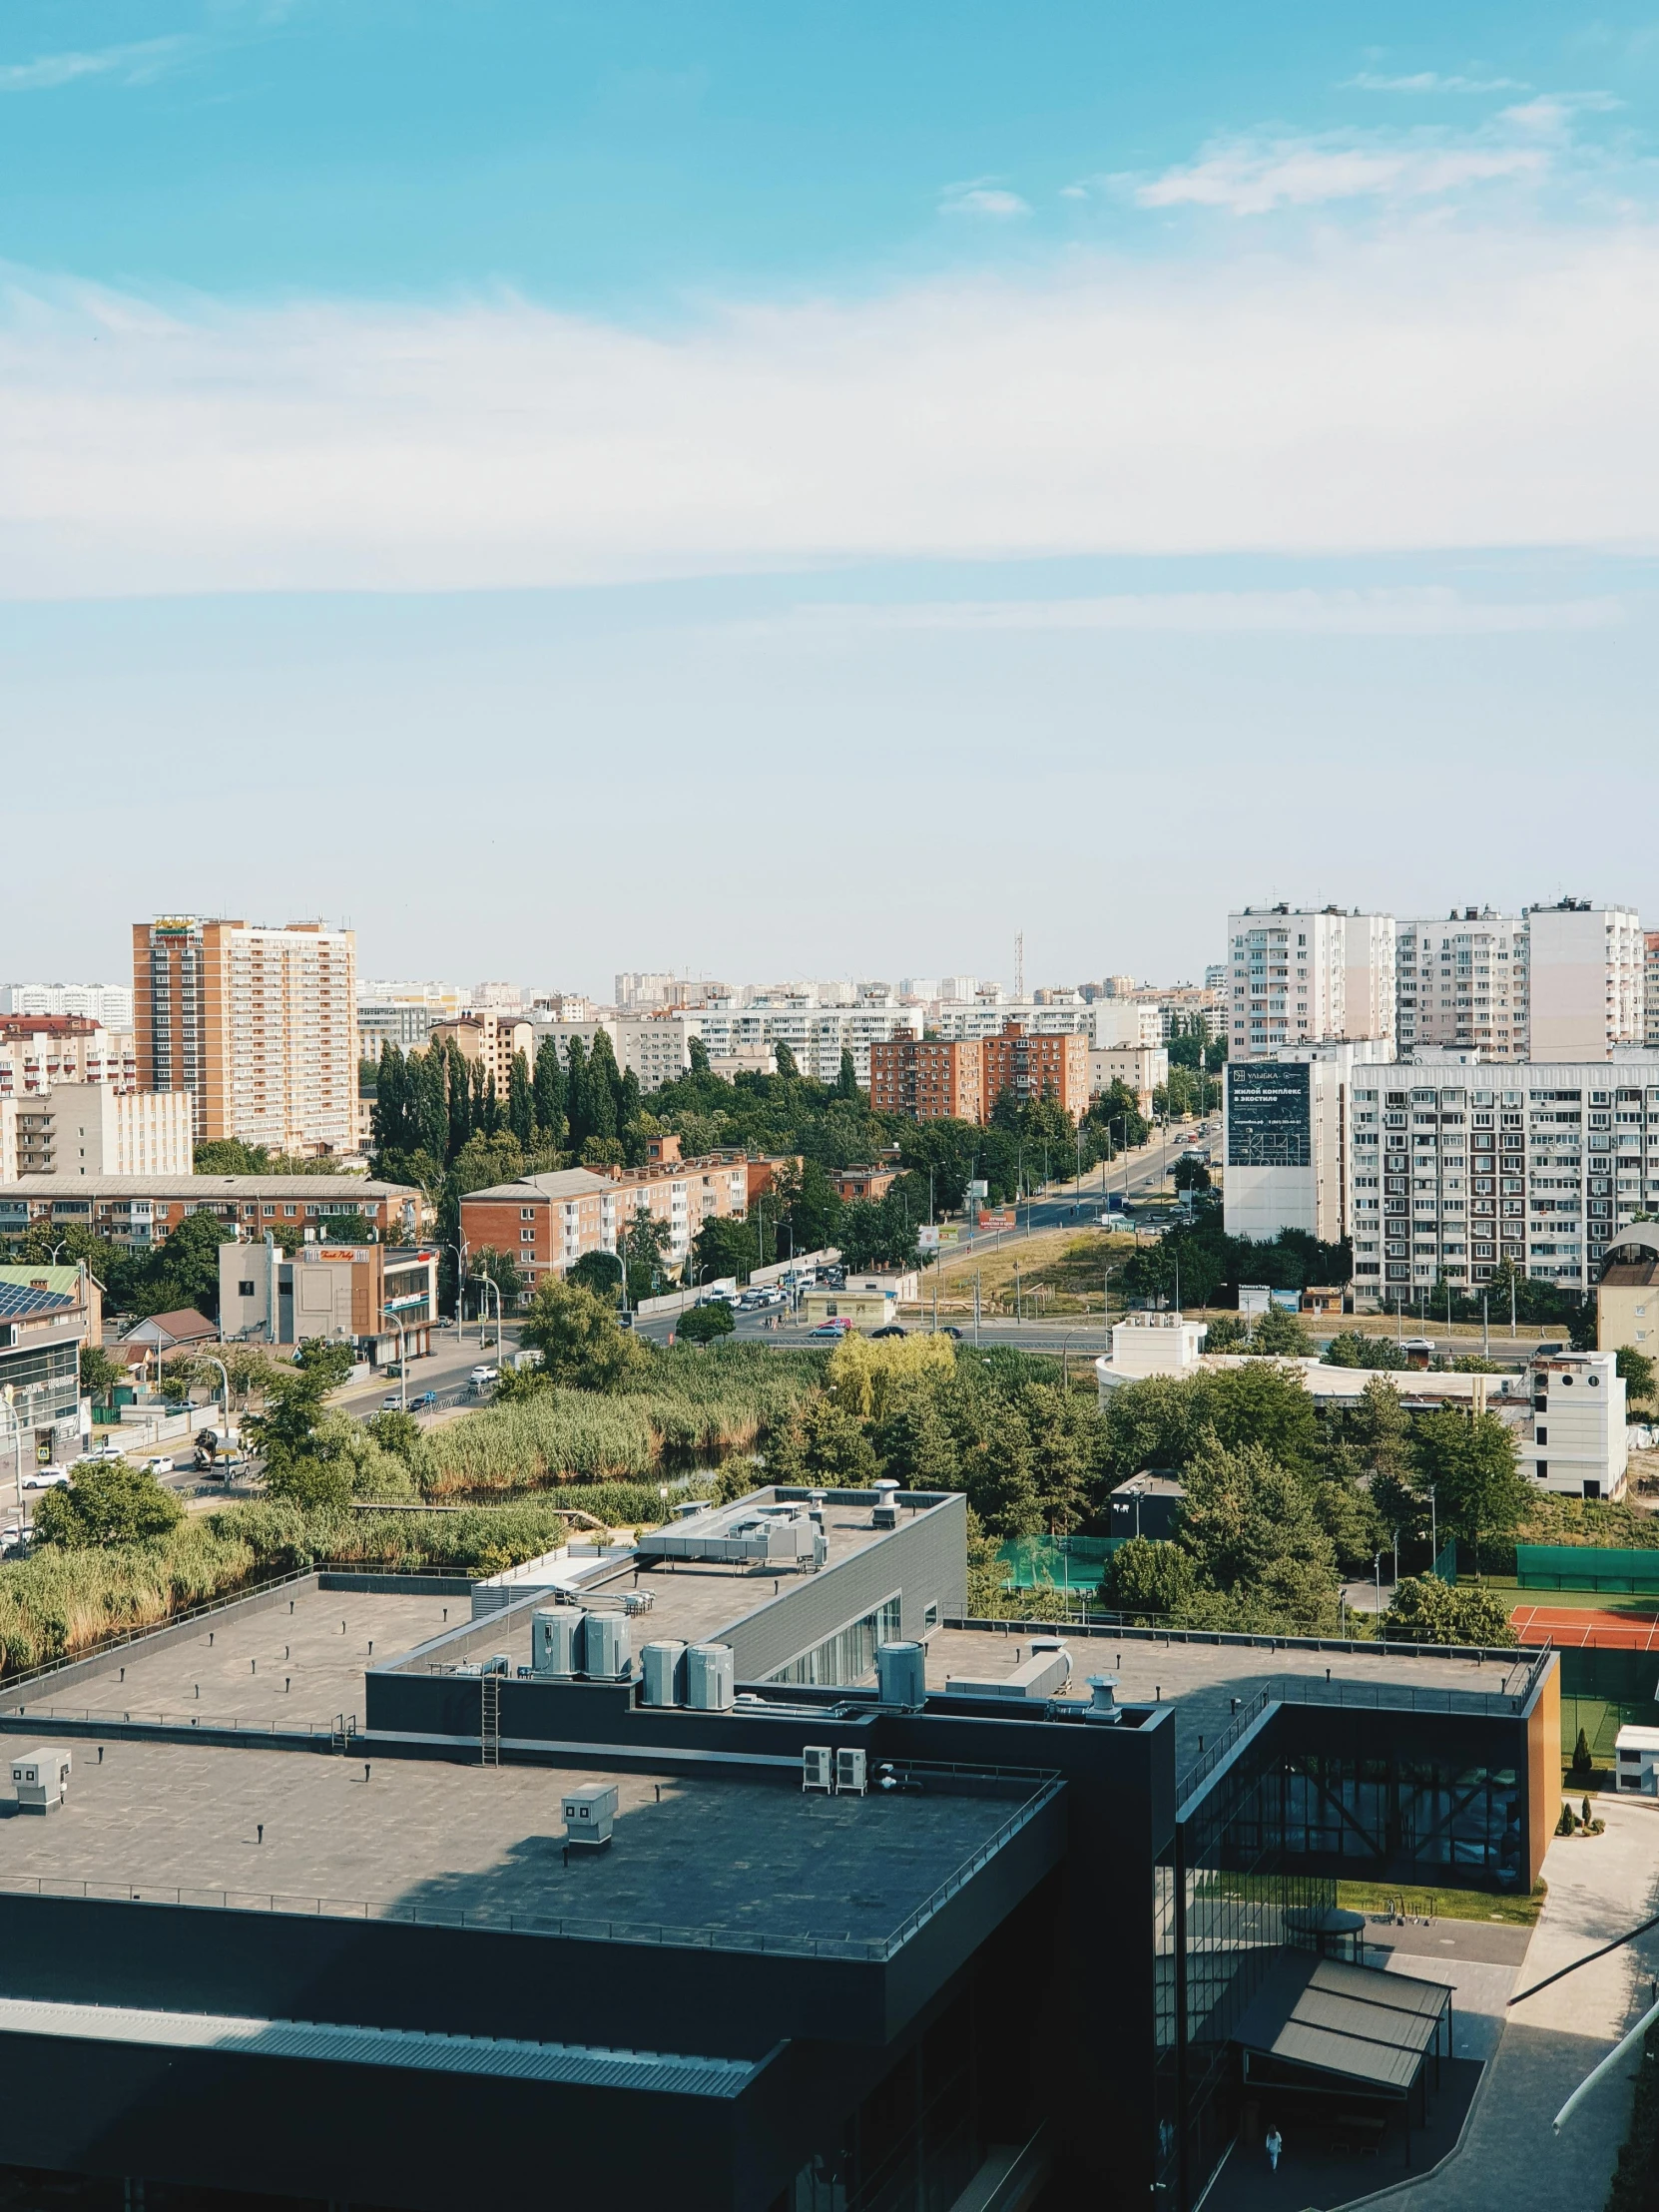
(1019,964)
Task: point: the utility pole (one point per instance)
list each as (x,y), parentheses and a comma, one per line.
(1486,1326)
(976,1309)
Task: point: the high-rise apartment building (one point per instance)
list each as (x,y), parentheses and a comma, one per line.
(1587,966)
(1459,1168)
(109,1005)
(259,1024)
(1463,982)
(1028,1066)
(927,1078)
(1650,989)
(491,1039)
(1299,977)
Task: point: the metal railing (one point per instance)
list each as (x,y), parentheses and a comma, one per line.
(127,1719)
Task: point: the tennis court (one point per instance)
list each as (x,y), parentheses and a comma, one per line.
(1586,1626)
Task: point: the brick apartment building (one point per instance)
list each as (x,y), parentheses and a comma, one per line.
(933,1079)
(928,1078)
(258,1024)
(549,1222)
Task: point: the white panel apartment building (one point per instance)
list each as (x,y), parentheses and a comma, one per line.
(107,1004)
(1463,982)
(1588,979)
(816,1035)
(1297,977)
(1457,1168)
(656,1046)
(94,1129)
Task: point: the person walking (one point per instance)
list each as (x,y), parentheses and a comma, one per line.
(1275,2144)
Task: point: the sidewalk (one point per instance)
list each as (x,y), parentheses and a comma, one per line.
(1509,2160)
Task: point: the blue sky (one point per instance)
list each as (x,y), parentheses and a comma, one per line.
(818,490)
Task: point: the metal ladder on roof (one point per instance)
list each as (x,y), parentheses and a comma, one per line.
(489,1733)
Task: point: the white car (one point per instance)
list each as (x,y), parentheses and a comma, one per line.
(47,1479)
(482,1377)
(162,1464)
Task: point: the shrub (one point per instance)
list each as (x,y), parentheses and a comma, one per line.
(1425,1610)
(117,1505)
(1583,1765)
(702,1324)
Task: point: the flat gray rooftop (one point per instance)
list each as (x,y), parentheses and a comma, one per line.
(1202,1681)
(740,1863)
(294,1664)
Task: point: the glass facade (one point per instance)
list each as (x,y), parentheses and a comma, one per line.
(914,2145)
(849,1656)
(1260,1851)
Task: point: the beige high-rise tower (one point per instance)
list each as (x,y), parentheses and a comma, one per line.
(259,1024)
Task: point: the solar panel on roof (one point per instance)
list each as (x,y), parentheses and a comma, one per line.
(21,1298)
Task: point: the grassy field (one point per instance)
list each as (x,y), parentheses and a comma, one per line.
(1061,1271)
(1442,1904)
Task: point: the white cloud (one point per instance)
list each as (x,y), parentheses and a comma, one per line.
(992,201)
(1433,386)
(1430,610)
(1254,175)
(1429,80)
(139,63)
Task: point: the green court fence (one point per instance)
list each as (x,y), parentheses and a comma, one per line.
(1056,1562)
(1445,1567)
(1604,1691)
(1586,1568)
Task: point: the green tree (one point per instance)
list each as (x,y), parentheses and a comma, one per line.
(99,1374)
(1636,1369)
(577,1336)
(702,1324)
(726,1246)
(1349,1348)
(521,1102)
(1249,1525)
(784,1063)
(1425,1610)
(548,1094)
(1147,1577)
(398,1433)
(604,1088)
(1226,1333)
(501,1269)
(600,1273)
(1470,1459)
(114,1505)
(846,1082)
(698,1055)
(1280,1336)
(913,1443)
(810,1206)
(190,1260)
(229,1156)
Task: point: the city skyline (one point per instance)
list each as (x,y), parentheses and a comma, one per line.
(1028,450)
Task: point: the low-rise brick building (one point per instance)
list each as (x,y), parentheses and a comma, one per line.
(548,1222)
(961,1078)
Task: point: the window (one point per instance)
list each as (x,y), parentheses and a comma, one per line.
(244,1290)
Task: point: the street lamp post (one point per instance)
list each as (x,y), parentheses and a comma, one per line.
(15,1421)
(488,1282)
(224,1394)
(402,1365)
(459,1249)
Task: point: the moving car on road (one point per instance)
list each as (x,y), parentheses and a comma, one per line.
(47,1479)
(830,1330)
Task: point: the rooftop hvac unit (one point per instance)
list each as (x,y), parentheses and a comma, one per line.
(556,1643)
(1103,1704)
(662,1667)
(902,1674)
(850,1772)
(818,1764)
(710,1677)
(42,1779)
(589,1810)
(606,1648)
(1048,1669)
(886,1514)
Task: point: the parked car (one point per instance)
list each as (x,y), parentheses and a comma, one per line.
(47,1479)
